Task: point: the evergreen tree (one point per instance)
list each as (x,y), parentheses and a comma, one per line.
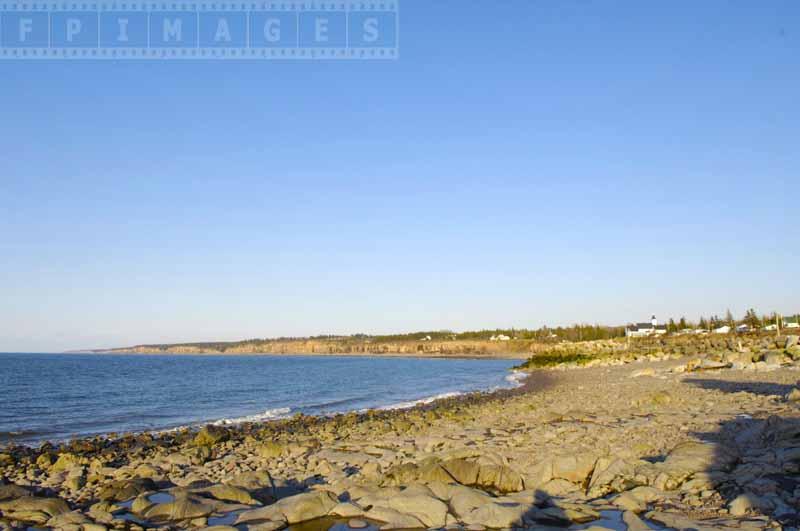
(751,319)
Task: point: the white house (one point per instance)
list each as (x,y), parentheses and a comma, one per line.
(646,329)
(723,330)
(789,325)
(501,337)
(743,328)
(771,328)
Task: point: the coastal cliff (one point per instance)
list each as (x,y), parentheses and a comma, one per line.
(514,349)
(476,349)
(684,345)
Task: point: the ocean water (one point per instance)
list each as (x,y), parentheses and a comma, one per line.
(60,396)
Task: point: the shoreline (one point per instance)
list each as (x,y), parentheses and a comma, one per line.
(499,356)
(281,414)
(444,400)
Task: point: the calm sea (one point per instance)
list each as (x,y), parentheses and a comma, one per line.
(60,396)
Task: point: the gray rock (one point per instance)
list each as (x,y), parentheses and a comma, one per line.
(393,519)
(184,508)
(346,510)
(633,522)
(294,509)
(575,469)
(465,500)
(775,359)
(747,503)
(33,510)
(792,341)
(499,515)
(426,509)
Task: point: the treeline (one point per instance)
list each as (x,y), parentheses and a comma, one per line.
(751,318)
(579,332)
(574,333)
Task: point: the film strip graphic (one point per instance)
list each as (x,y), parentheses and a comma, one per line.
(272,30)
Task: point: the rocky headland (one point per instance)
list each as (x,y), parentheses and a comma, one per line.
(702,434)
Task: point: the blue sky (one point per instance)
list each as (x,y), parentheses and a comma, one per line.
(523,163)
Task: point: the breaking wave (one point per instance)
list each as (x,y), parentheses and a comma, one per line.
(270,414)
(420,402)
(516,378)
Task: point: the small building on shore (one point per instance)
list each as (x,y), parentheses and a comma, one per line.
(723,330)
(646,329)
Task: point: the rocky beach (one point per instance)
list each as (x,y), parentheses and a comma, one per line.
(685,434)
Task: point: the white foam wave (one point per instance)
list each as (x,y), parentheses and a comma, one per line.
(516,378)
(270,414)
(421,402)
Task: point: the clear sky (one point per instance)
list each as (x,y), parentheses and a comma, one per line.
(525,162)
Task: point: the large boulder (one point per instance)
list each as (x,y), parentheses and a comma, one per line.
(123,490)
(539,474)
(11,492)
(294,509)
(566,514)
(557,487)
(464,500)
(499,515)
(393,519)
(183,508)
(428,472)
(576,469)
(347,510)
(229,493)
(271,449)
(500,479)
(690,458)
(426,509)
(259,484)
(211,435)
(494,477)
(610,476)
(749,503)
(65,462)
(636,500)
(67,520)
(463,471)
(146,470)
(33,510)
(791,341)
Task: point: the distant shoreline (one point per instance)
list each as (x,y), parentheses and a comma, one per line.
(457,349)
(475,356)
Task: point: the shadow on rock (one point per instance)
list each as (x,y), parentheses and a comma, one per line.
(764,478)
(756,388)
